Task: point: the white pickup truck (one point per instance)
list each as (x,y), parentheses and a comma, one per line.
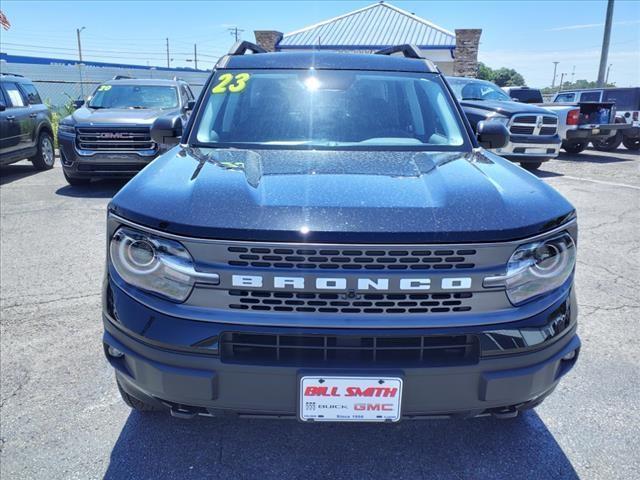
(583,122)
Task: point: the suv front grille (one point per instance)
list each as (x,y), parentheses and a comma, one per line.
(351,259)
(421,303)
(326,350)
(533,125)
(114,139)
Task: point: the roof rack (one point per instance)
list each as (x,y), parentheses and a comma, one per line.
(241,47)
(122,77)
(409,51)
(11,74)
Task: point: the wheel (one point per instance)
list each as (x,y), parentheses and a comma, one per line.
(45,158)
(76,181)
(609,144)
(632,143)
(574,147)
(531,166)
(134,403)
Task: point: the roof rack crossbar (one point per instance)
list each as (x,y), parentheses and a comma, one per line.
(409,51)
(241,47)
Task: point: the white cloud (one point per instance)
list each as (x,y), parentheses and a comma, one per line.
(591,25)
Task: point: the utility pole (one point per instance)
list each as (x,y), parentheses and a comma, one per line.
(606,79)
(195,55)
(78,31)
(573,73)
(553,82)
(561,81)
(168,60)
(605,44)
(235,32)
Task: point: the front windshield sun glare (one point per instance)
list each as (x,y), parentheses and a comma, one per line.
(341,109)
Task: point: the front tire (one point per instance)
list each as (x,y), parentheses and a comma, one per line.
(574,147)
(632,143)
(531,166)
(45,158)
(609,144)
(76,181)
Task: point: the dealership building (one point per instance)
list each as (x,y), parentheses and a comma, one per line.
(379,26)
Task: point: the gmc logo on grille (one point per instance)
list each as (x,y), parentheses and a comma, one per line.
(115,135)
(361,284)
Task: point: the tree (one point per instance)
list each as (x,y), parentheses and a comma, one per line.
(578,84)
(503,77)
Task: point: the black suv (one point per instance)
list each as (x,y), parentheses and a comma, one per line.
(108,136)
(331,242)
(25,124)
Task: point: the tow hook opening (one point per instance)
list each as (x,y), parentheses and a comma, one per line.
(504,413)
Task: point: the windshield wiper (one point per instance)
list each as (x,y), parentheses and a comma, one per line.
(472,98)
(137,107)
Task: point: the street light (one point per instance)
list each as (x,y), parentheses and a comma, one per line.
(78,31)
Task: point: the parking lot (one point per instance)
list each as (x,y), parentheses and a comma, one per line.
(62,416)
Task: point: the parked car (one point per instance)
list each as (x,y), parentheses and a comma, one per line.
(108,135)
(25,124)
(627,104)
(331,242)
(534,131)
(524,94)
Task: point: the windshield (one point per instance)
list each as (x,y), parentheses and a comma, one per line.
(471,89)
(328,109)
(134,96)
(526,95)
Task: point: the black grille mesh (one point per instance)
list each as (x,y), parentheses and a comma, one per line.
(351,259)
(349,303)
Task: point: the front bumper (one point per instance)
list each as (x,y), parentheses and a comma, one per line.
(162,365)
(114,164)
(522,148)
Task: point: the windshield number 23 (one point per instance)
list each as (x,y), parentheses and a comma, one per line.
(225,83)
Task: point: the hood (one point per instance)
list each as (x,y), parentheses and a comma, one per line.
(504,107)
(346,196)
(91,116)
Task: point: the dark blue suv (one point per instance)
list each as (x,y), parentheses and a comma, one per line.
(331,241)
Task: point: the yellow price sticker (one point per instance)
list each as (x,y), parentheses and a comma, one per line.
(232,83)
(104,88)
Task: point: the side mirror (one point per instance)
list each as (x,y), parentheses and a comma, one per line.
(492,135)
(191,104)
(78,103)
(167,130)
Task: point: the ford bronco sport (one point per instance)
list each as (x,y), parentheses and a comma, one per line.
(331,242)
(108,136)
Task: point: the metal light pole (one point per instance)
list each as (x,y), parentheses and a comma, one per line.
(78,31)
(195,55)
(606,79)
(553,82)
(605,44)
(561,81)
(168,60)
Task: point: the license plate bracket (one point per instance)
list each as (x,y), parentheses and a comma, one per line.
(345,398)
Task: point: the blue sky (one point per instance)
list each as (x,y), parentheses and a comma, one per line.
(524,35)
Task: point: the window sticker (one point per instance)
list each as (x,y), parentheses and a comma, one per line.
(232,83)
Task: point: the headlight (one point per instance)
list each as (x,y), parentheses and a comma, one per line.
(537,268)
(66,128)
(155,264)
(499,119)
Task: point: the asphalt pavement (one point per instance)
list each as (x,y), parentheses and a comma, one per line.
(61,416)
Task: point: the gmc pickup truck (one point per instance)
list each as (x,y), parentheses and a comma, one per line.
(330,241)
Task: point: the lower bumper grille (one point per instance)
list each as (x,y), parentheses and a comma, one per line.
(327,350)
(111,167)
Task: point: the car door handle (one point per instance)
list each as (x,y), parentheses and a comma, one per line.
(11,118)
(33,115)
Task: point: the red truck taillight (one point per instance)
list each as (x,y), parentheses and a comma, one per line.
(573,117)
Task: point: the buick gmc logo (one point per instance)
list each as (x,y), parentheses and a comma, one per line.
(115,135)
(359,284)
